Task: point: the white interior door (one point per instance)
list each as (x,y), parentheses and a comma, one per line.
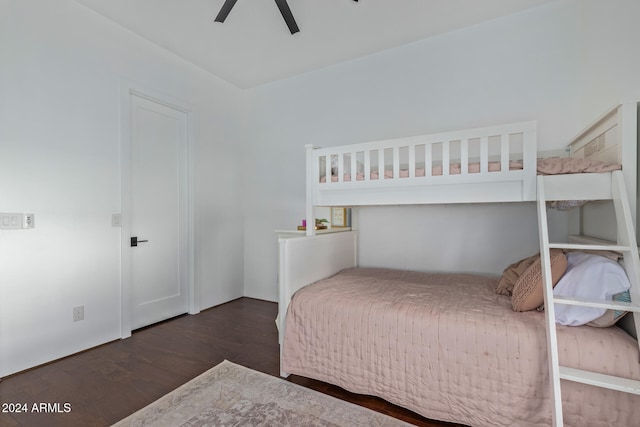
(158,209)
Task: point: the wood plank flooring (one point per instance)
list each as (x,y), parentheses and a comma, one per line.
(107,383)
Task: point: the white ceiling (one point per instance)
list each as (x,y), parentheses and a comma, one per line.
(254,46)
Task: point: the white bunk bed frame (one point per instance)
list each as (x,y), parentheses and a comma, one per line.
(613,137)
(516,141)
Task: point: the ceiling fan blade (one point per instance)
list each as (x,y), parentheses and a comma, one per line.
(287,15)
(224,11)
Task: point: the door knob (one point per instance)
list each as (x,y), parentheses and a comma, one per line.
(135,241)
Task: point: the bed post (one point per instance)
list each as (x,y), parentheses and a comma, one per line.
(311,175)
(628,116)
(529,161)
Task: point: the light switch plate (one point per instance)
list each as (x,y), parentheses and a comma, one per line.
(16,221)
(10,221)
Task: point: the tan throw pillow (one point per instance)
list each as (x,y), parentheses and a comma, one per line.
(511,274)
(527,291)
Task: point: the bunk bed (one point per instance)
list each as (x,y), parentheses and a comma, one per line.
(447,346)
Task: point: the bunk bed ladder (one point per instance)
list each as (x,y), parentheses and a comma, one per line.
(564,187)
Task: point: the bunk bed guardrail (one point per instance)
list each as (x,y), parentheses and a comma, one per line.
(489,164)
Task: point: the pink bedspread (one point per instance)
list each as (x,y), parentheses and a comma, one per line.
(449,348)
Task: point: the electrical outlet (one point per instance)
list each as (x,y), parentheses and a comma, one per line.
(78,313)
(116,220)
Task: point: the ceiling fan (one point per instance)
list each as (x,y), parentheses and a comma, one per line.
(282,5)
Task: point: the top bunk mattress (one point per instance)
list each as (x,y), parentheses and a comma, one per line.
(450,348)
(547,166)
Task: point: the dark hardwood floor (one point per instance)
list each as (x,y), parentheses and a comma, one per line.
(107,383)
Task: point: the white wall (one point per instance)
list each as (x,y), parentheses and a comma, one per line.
(541,64)
(610,64)
(60,72)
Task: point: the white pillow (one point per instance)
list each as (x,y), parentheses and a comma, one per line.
(592,277)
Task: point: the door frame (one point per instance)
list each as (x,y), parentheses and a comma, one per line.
(127,89)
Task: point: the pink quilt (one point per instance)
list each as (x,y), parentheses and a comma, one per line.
(449,348)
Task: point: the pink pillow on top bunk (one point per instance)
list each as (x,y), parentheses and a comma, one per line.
(564,165)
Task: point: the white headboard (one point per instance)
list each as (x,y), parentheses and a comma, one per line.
(612,138)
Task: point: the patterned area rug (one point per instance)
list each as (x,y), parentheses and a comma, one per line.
(232,395)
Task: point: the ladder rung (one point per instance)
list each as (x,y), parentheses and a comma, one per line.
(609,305)
(600,380)
(579,246)
(589,240)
